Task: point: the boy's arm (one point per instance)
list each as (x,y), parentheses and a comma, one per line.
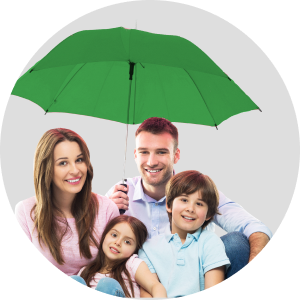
(214,276)
(149,281)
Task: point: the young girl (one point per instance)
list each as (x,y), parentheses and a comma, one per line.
(117,270)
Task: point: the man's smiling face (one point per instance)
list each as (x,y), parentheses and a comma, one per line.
(155,157)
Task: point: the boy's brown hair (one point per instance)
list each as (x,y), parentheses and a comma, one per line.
(157,125)
(188,182)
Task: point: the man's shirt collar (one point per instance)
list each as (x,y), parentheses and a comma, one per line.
(139,191)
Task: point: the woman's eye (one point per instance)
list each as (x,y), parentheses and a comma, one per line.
(127,242)
(80,159)
(63,163)
(113,235)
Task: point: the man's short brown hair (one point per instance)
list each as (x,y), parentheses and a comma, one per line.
(189,182)
(156,125)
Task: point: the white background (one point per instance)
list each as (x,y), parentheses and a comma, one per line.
(247,157)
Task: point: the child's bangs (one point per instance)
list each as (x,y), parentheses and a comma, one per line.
(190,184)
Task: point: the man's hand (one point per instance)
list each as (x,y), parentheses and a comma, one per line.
(257,241)
(120,198)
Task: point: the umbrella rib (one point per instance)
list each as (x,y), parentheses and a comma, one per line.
(97,102)
(64,87)
(201,97)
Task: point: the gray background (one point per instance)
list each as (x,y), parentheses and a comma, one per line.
(253,157)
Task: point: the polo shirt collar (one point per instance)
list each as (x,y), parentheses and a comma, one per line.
(169,236)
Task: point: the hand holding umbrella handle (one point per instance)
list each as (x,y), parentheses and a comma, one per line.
(122,211)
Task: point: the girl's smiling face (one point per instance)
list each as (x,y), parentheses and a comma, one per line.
(119,243)
(189,213)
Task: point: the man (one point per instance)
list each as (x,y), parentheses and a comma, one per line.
(155,155)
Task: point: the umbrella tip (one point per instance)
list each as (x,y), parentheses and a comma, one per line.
(259,109)
(46,112)
(216,126)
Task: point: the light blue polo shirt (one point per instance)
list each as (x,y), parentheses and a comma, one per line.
(181,267)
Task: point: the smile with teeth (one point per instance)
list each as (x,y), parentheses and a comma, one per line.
(153,171)
(113,250)
(188,218)
(75,180)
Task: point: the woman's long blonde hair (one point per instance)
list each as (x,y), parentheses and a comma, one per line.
(49,220)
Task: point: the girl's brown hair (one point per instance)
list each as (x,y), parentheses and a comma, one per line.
(116,270)
(49,220)
(188,182)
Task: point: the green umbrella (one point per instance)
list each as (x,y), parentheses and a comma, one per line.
(130,75)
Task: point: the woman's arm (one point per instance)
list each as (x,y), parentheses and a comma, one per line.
(149,282)
(214,276)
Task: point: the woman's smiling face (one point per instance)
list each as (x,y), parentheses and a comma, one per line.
(70,169)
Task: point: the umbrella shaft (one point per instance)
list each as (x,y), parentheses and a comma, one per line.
(123,180)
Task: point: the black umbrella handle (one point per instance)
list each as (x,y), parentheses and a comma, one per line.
(122,211)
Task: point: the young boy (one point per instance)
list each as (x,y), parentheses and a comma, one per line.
(189,259)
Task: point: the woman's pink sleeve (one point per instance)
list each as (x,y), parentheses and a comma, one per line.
(21,218)
(112,211)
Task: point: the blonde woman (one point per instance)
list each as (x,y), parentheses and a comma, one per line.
(64,220)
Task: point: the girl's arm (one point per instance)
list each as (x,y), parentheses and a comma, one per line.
(144,294)
(214,276)
(149,282)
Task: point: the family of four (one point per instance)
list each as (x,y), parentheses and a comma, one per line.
(164,244)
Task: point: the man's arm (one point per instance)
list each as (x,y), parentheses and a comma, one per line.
(118,197)
(257,241)
(235,218)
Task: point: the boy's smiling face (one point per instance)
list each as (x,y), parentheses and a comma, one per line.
(189,213)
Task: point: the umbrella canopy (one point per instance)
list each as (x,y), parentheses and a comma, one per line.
(130,75)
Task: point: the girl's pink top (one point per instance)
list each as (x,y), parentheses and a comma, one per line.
(132,265)
(70,247)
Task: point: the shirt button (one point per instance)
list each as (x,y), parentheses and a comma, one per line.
(156,204)
(154,228)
